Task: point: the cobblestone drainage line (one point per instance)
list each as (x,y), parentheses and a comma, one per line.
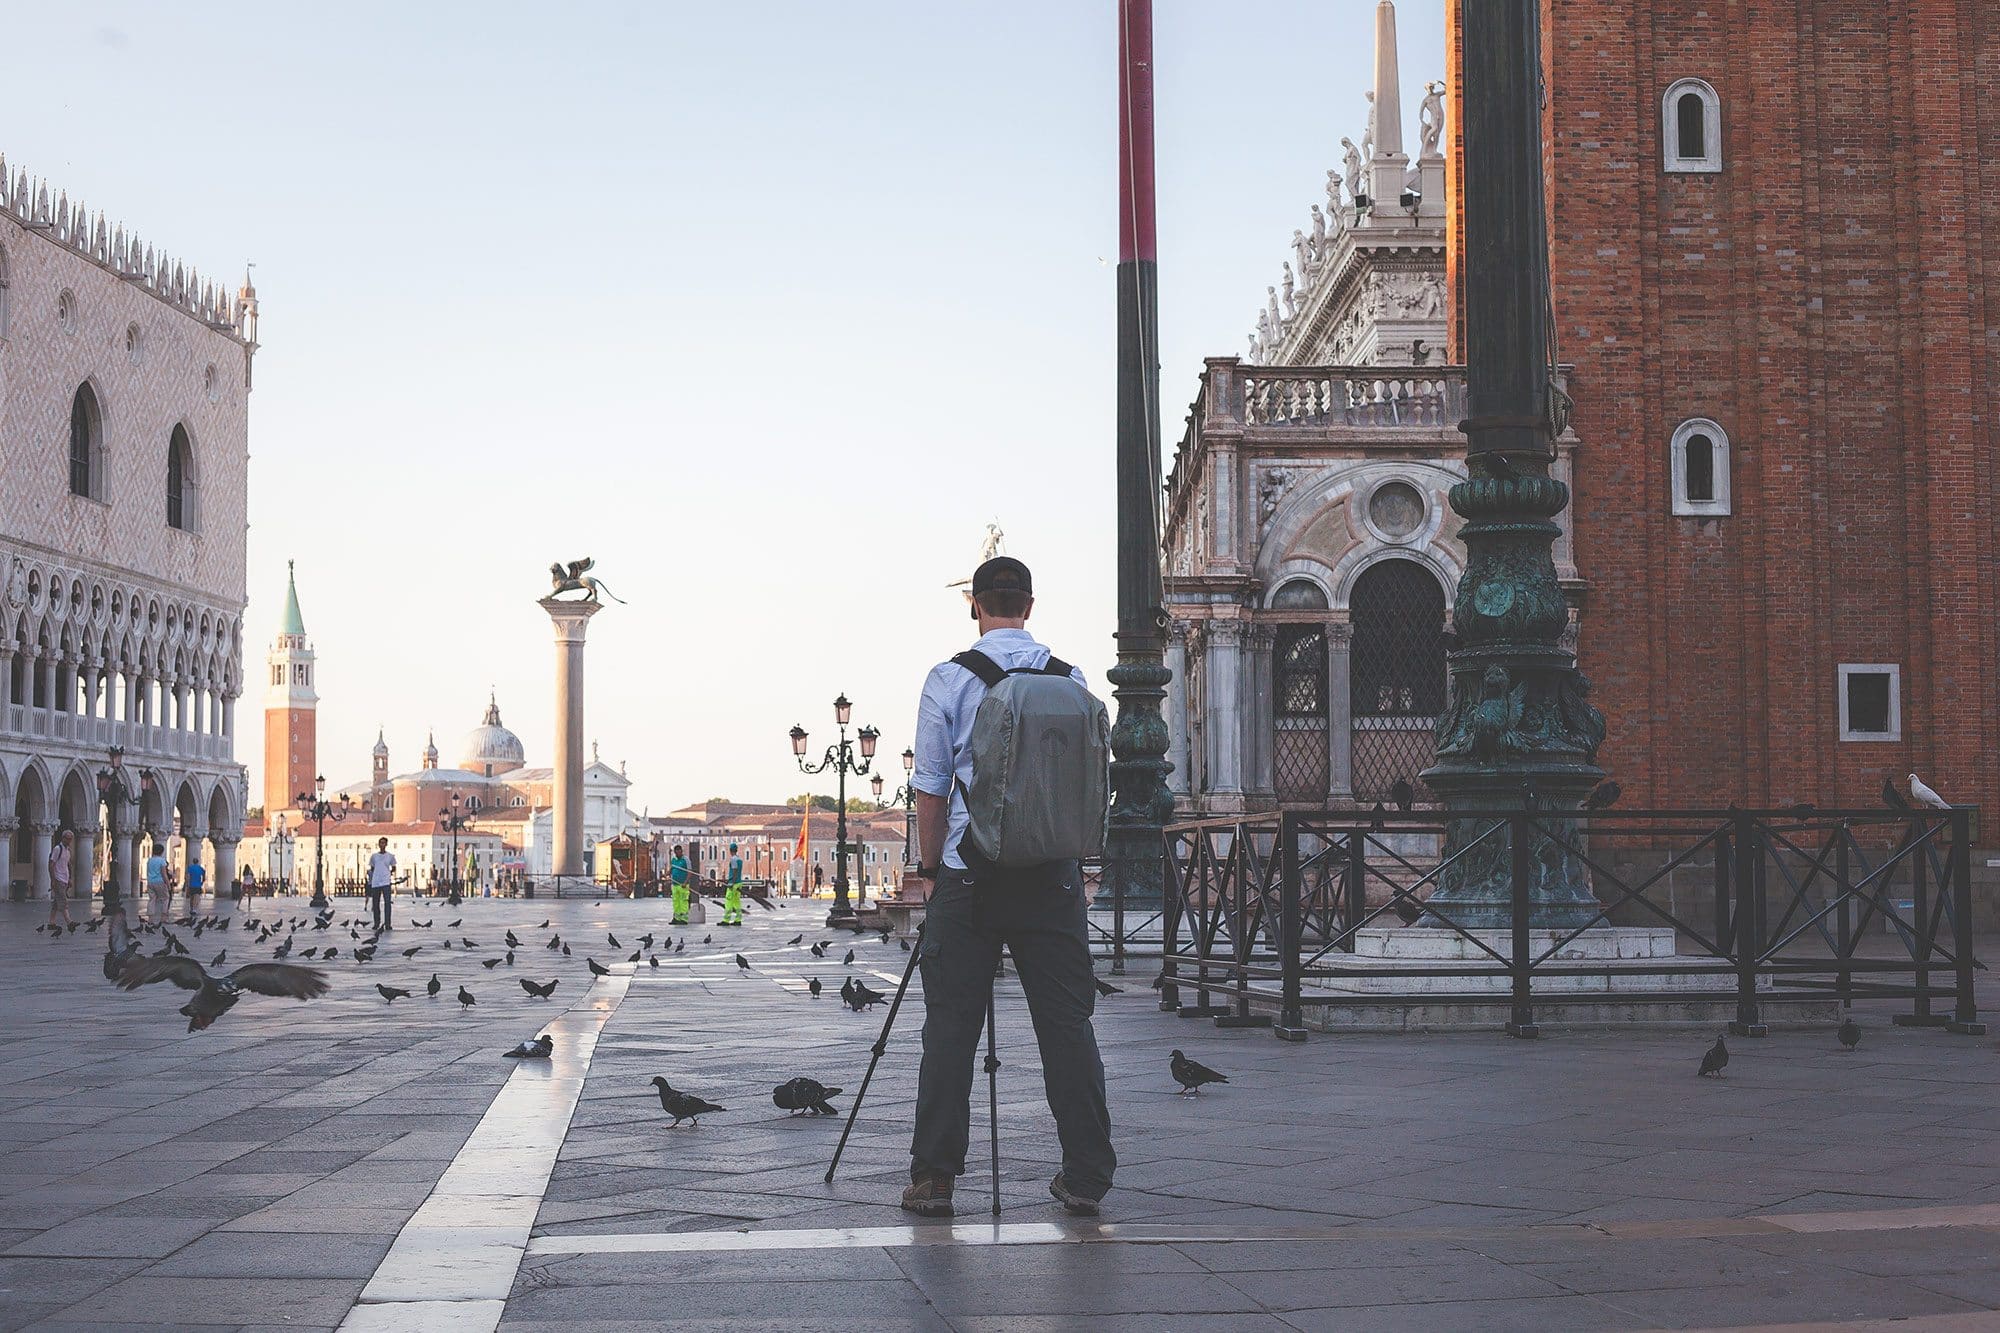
(454,1261)
(1057,1233)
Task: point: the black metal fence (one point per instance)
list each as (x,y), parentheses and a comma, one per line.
(1275,912)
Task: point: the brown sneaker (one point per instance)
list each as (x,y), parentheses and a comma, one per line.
(929,1194)
(1071,1201)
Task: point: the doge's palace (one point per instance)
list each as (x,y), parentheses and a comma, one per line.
(124,444)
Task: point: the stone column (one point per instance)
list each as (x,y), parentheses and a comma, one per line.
(1225,715)
(83,862)
(127,873)
(1177,711)
(1339,713)
(1260,716)
(7,847)
(223,873)
(570,620)
(43,836)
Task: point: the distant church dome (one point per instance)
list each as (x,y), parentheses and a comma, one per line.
(490,748)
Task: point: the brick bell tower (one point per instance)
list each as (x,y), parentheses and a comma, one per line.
(291,709)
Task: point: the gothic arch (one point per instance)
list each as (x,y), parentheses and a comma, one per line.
(1438,560)
(32,792)
(1297,512)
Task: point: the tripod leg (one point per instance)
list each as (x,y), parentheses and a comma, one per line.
(993,1097)
(875,1052)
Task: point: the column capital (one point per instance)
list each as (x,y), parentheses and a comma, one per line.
(225,839)
(569,618)
(1340,633)
(8,823)
(44,827)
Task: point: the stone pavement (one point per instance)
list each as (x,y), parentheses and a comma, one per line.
(351,1162)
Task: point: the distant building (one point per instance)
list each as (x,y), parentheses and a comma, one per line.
(124,426)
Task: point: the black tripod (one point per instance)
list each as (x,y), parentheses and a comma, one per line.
(881,1045)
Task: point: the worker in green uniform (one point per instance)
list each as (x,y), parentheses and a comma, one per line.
(678,872)
(732,897)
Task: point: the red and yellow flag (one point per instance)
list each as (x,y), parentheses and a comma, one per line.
(800,853)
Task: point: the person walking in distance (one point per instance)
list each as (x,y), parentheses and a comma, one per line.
(197,879)
(999,845)
(732,896)
(382,885)
(61,872)
(677,874)
(158,887)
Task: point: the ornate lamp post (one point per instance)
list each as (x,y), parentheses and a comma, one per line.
(116,789)
(279,845)
(316,809)
(840,757)
(1520,731)
(906,796)
(451,823)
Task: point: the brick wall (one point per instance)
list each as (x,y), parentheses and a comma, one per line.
(1825,299)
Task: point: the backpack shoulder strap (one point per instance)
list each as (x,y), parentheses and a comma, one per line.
(1055,666)
(980,665)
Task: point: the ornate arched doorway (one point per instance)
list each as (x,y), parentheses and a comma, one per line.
(1396,674)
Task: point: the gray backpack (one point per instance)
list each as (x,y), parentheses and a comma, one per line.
(1041,751)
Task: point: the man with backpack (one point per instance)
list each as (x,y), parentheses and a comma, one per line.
(1011,777)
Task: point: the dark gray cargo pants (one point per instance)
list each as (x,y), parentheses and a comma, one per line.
(1039,916)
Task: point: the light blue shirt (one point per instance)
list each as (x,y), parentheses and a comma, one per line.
(944,725)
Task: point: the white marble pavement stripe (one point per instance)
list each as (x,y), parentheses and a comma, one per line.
(454,1261)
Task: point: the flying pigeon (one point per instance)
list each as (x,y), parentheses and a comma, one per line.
(804,1094)
(465,999)
(1713,1059)
(390,993)
(1191,1074)
(682,1105)
(1923,795)
(1849,1033)
(538,1049)
(541,990)
(435,986)
(215,996)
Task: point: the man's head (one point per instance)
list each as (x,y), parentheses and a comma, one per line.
(678,850)
(1003,593)
(67,838)
(381,844)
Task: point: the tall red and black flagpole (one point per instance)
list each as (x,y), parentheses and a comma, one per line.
(1141,804)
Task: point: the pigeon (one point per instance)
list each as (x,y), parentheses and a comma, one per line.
(412,953)
(489,963)
(466,943)
(1403,794)
(682,1105)
(1713,1059)
(555,942)
(1891,797)
(905,944)
(1923,795)
(814,987)
(597,969)
(435,986)
(465,999)
(329,955)
(217,960)
(849,960)
(682,946)
(796,939)
(1849,1033)
(513,941)
(742,962)
(541,989)
(215,996)
(646,940)
(804,1095)
(708,939)
(652,961)
(860,997)
(1106,988)
(303,953)
(449,925)
(1406,909)
(121,948)
(614,940)
(1603,796)
(819,949)
(565,951)
(538,1049)
(544,925)
(510,958)
(1191,1074)
(635,955)
(390,993)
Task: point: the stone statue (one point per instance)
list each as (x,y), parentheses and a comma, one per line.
(1271,312)
(1368,135)
(1319,225)
(1291,294)
(993,543)
(1264,330)
(575,578)
(1333,195)
(1430,117)
(1301,253)
(1255,349)
(1352,161)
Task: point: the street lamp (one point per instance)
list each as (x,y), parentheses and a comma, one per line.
(840,757)
(906,796)
(278,846)
(453,822)
(316,809)
(114,788)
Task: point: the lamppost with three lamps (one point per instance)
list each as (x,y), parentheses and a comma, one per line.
(453,822)
(906,796)
(314,808)
(115,789)
(840,758)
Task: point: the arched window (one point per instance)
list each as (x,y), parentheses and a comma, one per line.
(86,444)
(180,481)
(1691,127)
(1299,713)
(1699,461)
(1396,674)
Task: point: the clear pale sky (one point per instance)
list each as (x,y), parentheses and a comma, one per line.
(770,308)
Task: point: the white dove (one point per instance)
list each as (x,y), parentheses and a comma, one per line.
(1923,795)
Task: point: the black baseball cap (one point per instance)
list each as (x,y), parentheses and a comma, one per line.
(1002,573)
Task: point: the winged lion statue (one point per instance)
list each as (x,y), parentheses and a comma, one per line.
(575,577)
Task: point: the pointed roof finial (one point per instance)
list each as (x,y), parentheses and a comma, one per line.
(1387,112)
(294,622)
